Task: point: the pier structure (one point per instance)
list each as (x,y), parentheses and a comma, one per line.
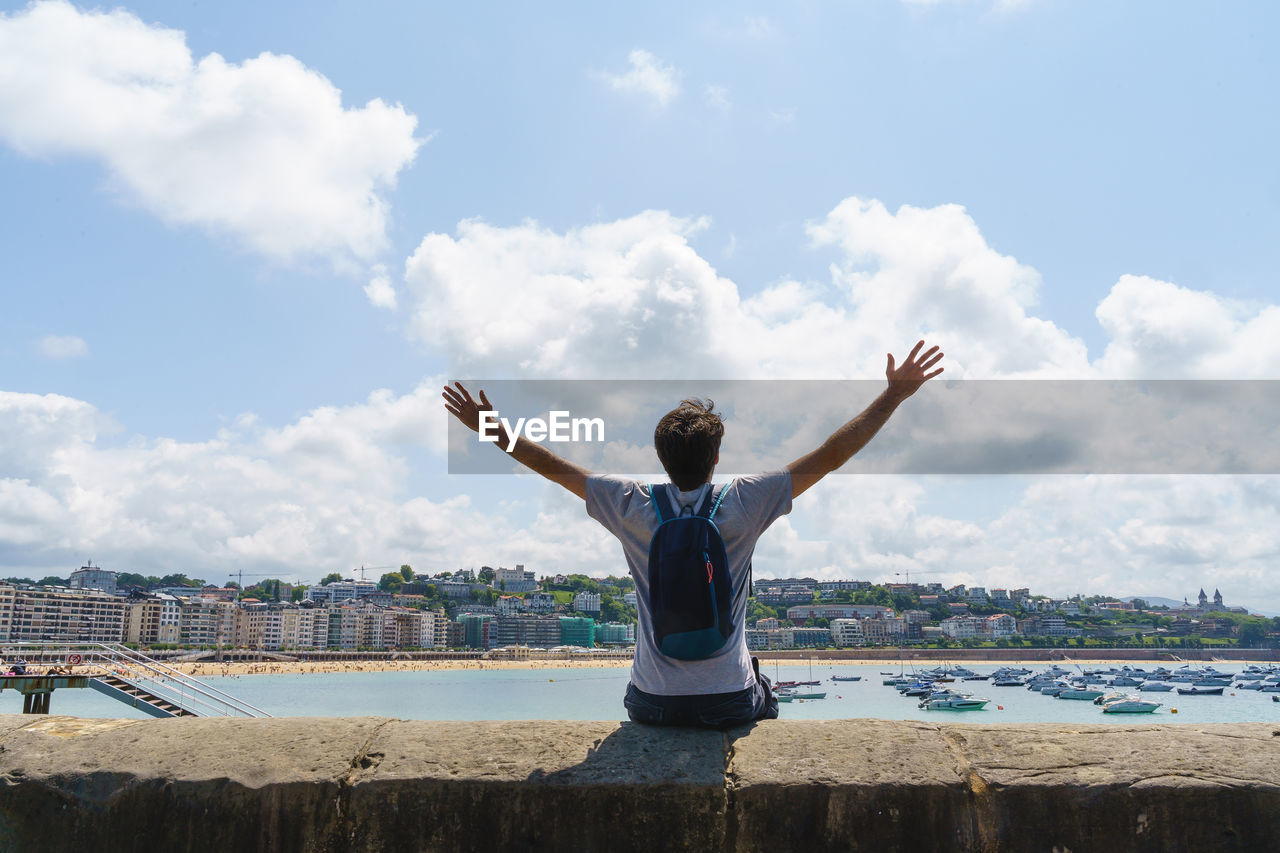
(118,672)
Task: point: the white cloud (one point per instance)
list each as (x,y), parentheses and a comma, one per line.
(330,489)
(617,299)
(1160,330)
(262,150)
(63,346)
(784,116)
(717,97)
(648,77)
(633,298)
(380,291)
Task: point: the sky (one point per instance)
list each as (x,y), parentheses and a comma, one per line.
(244,244)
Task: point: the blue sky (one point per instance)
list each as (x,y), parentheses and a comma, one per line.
(1090,190)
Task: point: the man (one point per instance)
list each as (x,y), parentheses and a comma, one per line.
(725,688)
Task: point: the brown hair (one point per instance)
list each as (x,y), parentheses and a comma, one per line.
(688,442)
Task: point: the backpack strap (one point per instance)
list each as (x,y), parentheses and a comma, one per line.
(661,504)
(711,503)
(712,500)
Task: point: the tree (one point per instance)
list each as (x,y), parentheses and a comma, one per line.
(391,582)
(486,574)
(51,580)
(406,572)
(1252,634)
(332,577)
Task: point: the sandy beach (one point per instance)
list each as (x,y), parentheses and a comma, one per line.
(277,668)
(290,667)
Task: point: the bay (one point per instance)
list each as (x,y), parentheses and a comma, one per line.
(596,694)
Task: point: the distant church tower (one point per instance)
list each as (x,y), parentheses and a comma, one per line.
(1204,599)
(1217,599)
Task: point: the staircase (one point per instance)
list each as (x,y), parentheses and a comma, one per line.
(135,679)
(131,694)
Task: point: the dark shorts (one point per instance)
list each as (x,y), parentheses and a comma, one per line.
(710,710)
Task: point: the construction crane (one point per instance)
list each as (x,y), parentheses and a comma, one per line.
(364,569)
(240,576)
(907,574)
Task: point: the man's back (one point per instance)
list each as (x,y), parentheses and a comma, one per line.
(750,505)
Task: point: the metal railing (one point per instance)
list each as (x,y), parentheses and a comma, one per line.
(147,674)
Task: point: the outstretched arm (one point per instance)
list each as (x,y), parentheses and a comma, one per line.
(853,436)
(535,457)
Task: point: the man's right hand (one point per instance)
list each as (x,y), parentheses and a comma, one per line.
(459,403)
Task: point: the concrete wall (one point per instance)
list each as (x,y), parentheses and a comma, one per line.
(315,784)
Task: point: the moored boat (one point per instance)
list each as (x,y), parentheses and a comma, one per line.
(955,703)
(1129,705)
(1200,691)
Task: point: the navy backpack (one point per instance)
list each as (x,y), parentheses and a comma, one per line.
(690,596)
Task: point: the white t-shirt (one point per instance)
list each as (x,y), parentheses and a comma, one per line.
(750,505)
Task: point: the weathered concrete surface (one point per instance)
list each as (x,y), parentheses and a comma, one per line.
(314,784)
(881,785)
(541,785)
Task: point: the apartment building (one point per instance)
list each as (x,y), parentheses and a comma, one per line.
(154,619)
(514,580)
(64,615)
(525,630)
(587,602)
(846,632)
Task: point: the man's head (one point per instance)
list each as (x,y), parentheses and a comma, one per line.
(688,442)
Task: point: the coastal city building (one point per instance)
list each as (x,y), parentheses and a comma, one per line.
(587,602)
(514,580)
(359,615)
(93,577)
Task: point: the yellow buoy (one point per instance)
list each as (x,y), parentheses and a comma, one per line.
(1173,710)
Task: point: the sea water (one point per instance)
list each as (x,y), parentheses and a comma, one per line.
(596,694)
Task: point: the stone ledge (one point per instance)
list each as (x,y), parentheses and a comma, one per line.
(365,783)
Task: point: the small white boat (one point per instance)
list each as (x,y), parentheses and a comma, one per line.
(1079,693)
(955,703)
(1129,705)
(1155,687)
